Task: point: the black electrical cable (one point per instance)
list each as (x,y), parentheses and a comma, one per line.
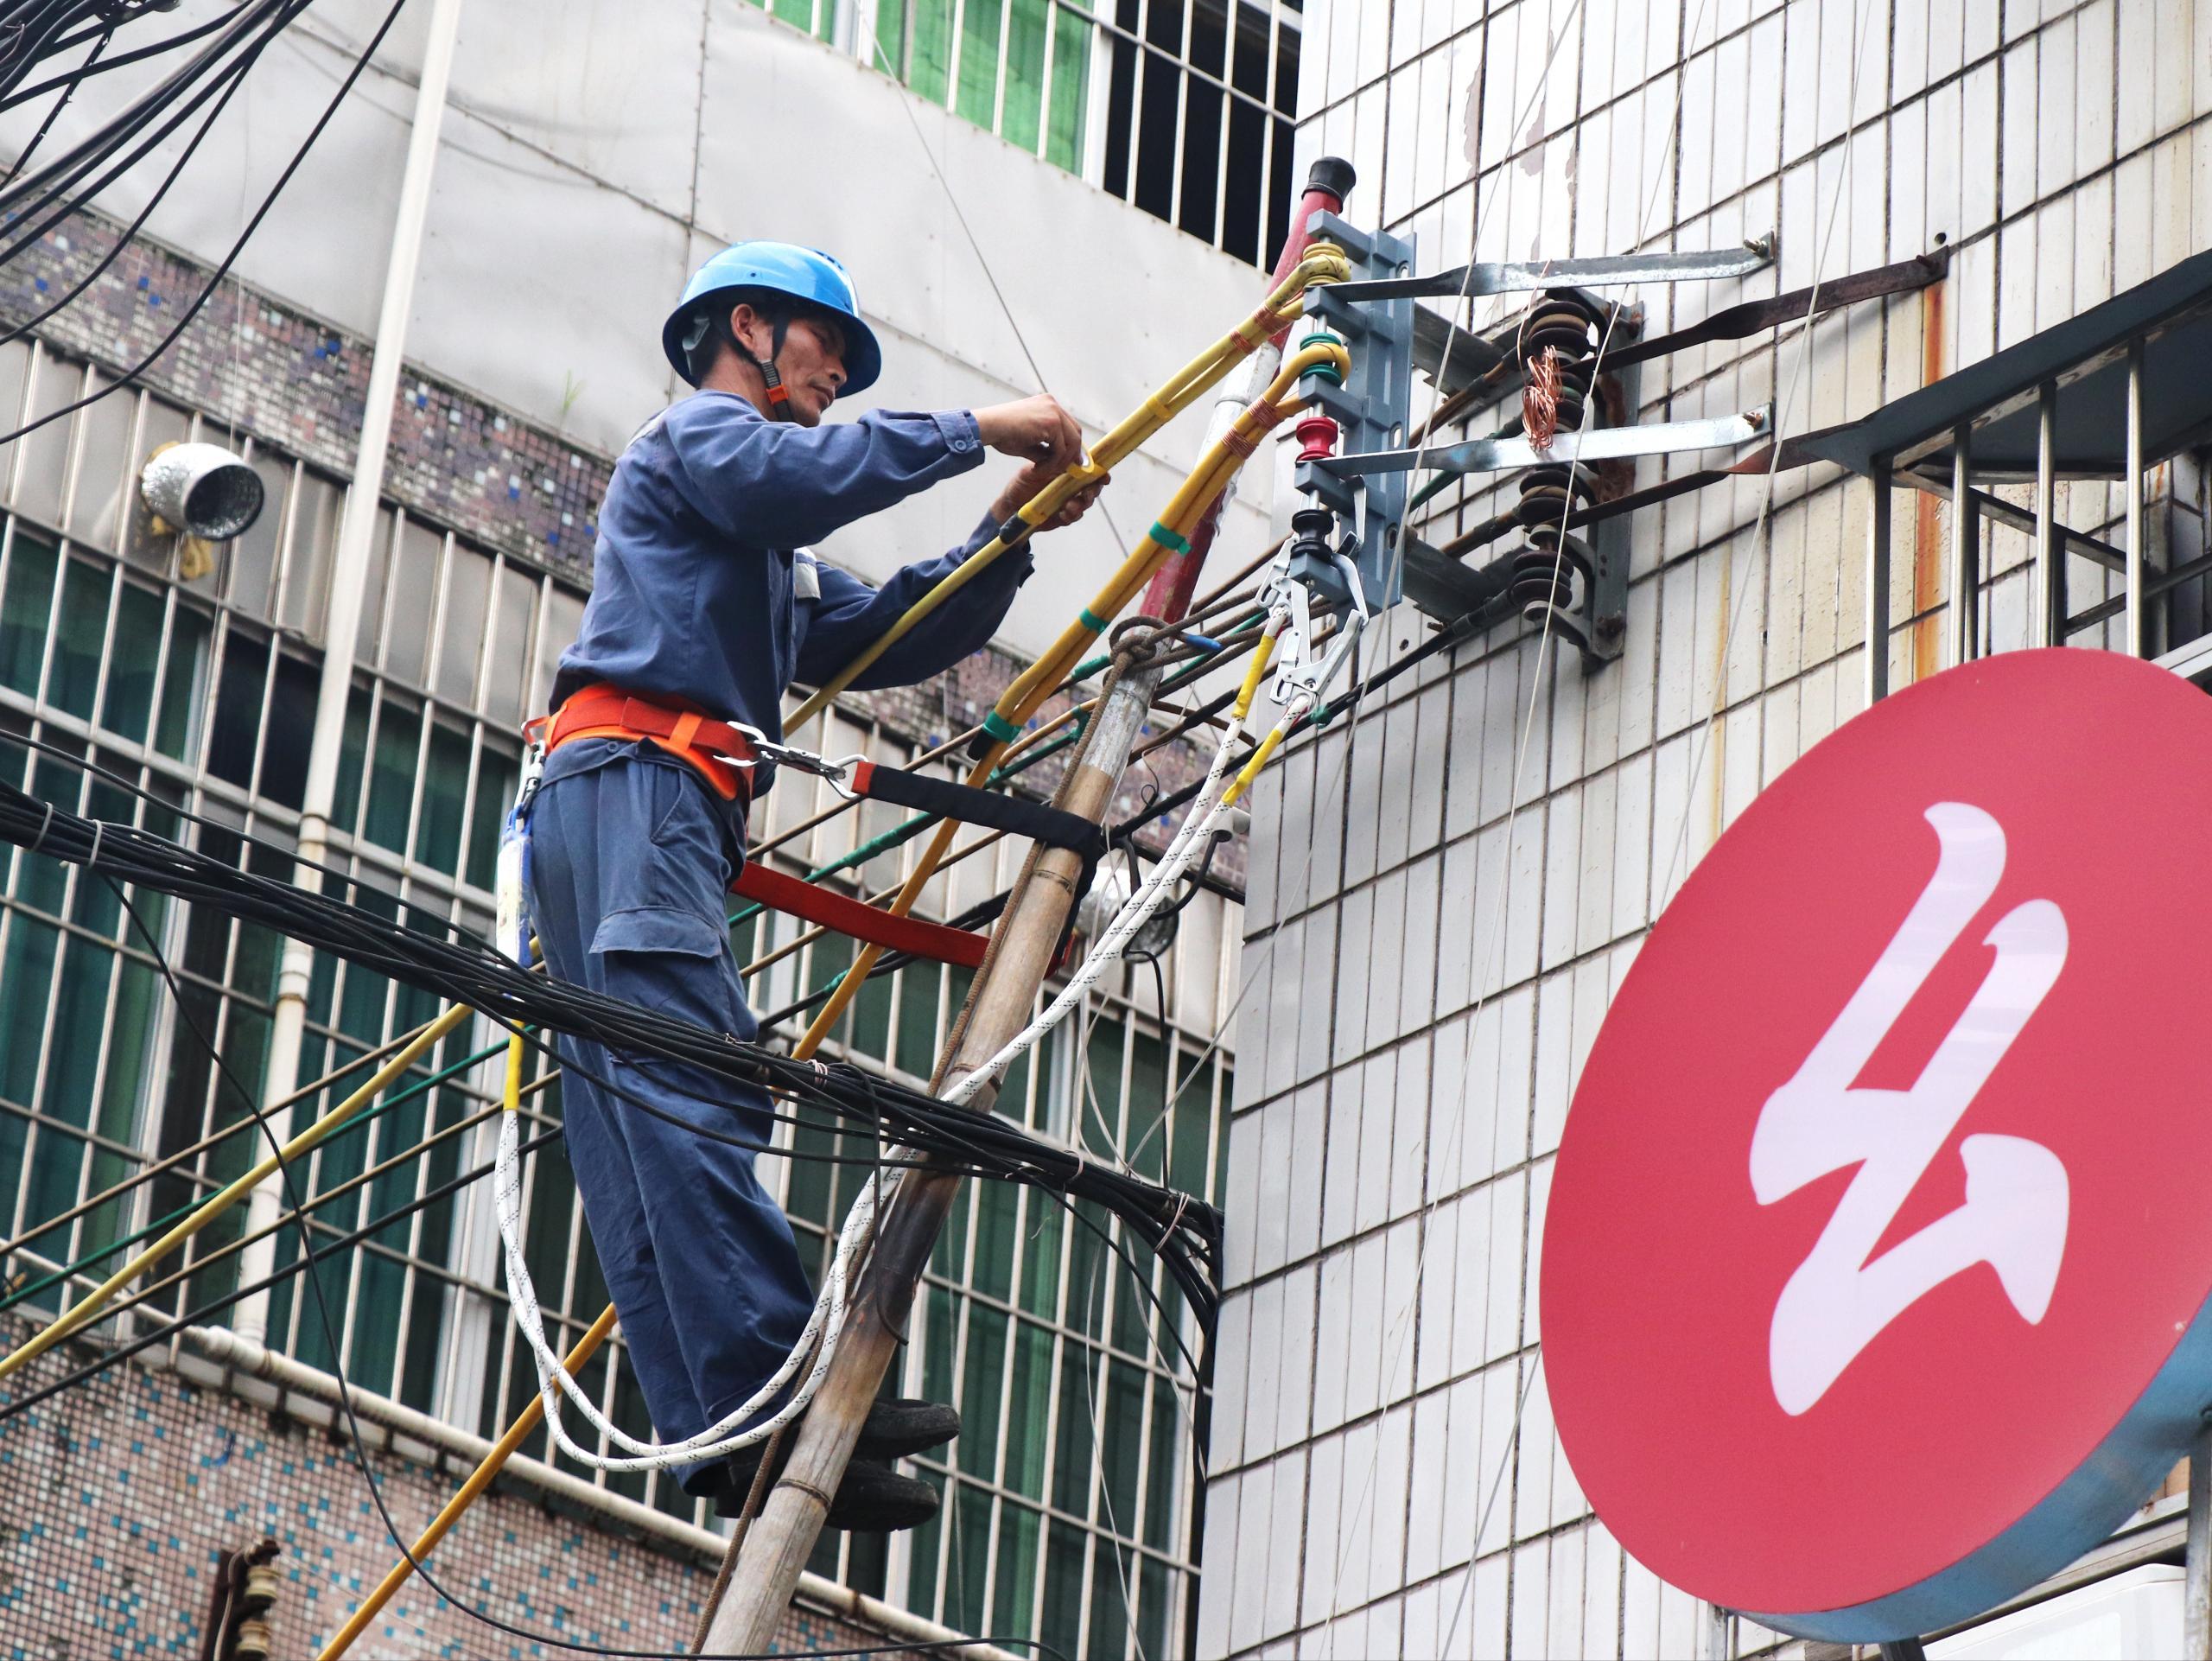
(129,233)
(168,1329)
(121,60)
(130,376)
(68,91)
(329,1325)
(23,197)
(57,207)
(1174,1225)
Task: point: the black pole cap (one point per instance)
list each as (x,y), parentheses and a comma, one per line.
(1334,175)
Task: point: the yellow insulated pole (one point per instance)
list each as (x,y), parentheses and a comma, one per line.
(87,1309)
(480,1478)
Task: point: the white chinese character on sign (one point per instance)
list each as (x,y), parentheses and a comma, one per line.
(2014,1217)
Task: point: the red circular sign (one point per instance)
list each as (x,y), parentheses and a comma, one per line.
(1877,1249)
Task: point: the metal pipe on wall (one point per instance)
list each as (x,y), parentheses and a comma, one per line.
(2137,641)
(2197,1573)
(1966,551)
(1878,589)
(2048,604)
(348,580)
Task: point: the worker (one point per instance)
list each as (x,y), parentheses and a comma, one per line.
(706,604)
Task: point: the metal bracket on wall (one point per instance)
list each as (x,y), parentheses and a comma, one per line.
(1599,444)
(1371,408)
(1522,277)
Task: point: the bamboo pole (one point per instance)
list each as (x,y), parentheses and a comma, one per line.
(780,1542)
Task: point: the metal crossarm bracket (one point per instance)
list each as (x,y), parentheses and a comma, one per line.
(1371,407)
(1601,444)
(1612,270)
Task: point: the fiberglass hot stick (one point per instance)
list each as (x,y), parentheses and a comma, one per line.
(1322,263)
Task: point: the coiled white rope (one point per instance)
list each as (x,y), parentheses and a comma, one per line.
(1206,812)
(826,1322)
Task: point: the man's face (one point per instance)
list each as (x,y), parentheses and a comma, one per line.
(812,362)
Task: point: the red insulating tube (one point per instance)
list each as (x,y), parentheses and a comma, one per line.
(1327,184)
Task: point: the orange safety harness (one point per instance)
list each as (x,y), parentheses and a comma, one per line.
(724,754)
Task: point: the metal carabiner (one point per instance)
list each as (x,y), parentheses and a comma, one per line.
(773,753)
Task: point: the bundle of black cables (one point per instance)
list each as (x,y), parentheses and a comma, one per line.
(1184,1233)
(34,200)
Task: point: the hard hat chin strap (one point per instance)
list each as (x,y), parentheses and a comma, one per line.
(771,379)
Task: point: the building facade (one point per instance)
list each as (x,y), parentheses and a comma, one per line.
(1072,1501)
(1445,897)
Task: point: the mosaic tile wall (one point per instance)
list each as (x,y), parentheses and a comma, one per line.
(118,1497)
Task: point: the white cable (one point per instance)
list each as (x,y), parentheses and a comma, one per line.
(1197,827)
(827,1320)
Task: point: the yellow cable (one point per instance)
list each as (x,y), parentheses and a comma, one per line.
(1253,675)
(82,1313)
(1323,262)
(1183,511)
(479,1480)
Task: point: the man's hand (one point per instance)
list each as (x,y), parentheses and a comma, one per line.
(1034,429)
(1034,478)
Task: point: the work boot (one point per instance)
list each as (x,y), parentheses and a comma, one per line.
(873,1499)
(903,1426)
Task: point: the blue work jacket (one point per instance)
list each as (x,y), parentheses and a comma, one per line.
(702,591)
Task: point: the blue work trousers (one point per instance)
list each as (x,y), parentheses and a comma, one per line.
(630,871)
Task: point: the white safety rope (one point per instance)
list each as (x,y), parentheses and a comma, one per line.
(826,1322)
(1206,812)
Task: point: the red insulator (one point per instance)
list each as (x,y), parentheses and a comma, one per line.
(1317,438)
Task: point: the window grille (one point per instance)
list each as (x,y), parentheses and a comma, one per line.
(203,693)
(1183,107)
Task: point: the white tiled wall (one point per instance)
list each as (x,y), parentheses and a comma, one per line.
(1445,892)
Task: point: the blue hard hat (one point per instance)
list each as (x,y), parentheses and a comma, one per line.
(805,274)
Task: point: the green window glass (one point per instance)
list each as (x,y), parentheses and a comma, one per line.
(1063,1612)
(24,610)
(352,749)
(817,17)
(184,686)
(924,60)
(918,1000)
(445,793)
(1028,1413)
(496,775)
(129,700)
(242,686)
(82,626)
(1014,1604)
(391,777)
(30,958)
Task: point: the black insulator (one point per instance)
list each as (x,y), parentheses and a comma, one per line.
(1548,494)
(1540,579)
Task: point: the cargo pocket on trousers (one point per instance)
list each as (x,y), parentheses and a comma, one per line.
(675,963)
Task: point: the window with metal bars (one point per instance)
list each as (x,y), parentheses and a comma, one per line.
(1182,107)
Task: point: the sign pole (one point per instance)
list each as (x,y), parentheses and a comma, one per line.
(2196,1605)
